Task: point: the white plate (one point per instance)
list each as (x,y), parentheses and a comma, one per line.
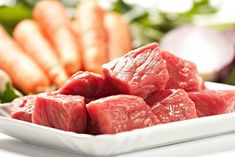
(104,145)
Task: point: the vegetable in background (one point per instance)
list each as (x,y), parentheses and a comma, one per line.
(30,37)
(11,15)
(26,75)
(230,78)
(150,24)
(4,79)
(7,92)
(53,17)
(230,33)
(93,36)
(147,24)
(118,33)
(211,51)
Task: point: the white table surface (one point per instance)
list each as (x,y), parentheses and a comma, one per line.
(219,146)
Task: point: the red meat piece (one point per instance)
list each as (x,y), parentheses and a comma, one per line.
(139,72)
(22,108)
(87,84)
(120,113)
(175,107)
(182,73)
(63,112)
(213,102)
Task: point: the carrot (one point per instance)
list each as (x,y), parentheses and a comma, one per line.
(93,35)
(119,37)
(76,30)
(29,36)
(53,18)
(25,74)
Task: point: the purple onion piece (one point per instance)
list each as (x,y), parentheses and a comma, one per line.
(211,51)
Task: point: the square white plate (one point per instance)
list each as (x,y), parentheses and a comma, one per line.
(105,145)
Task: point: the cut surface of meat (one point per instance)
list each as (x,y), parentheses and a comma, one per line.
(139,72)
(120,113)
(158,96)
(63,112)
(175,107)
(213,102)
(22,108)
(87,84)
(182,73)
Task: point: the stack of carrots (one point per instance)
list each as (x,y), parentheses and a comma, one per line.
(47,50)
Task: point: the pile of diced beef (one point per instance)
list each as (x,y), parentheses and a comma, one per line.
(145,87)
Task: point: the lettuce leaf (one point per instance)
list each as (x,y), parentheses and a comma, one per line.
(9,94)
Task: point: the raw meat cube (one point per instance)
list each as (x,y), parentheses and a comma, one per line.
(120,113)
(139,72)
(175,107)
(63,112)
(22,108)
(213,102)
(87,84)
(182,73)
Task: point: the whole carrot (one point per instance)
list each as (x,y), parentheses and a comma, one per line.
(29,36)
(25,74)
(93,36)
(53,18)
(119,37)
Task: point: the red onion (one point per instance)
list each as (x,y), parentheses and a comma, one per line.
(209,50)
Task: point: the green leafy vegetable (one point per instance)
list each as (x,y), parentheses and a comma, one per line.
(9,94)
(11,15)
(27,3)
(121,7)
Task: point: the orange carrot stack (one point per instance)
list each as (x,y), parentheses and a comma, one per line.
(53,46)
(119,37)
(29,36)
(25,74)
(92,35)
(52,16)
